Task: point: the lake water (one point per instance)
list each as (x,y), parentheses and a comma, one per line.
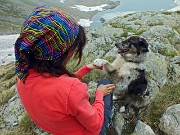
(132,5)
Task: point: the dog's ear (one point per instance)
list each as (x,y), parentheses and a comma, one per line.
(144,45)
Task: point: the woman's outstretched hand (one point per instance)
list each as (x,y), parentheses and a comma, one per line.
(106,89)
(92,66)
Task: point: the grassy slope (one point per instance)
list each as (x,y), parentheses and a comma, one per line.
(7,81)
(168,96)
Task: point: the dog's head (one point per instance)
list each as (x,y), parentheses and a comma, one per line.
(133,49)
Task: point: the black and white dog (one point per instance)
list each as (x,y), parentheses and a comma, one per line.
(128,74)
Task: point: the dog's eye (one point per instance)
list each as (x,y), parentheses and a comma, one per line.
(130,45)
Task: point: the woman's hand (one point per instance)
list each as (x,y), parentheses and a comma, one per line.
(92,66)
(106,89)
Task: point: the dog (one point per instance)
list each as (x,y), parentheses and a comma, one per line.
(128,74)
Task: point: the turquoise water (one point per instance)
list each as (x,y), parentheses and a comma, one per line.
(133,5)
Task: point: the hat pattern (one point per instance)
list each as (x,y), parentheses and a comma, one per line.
(47,33)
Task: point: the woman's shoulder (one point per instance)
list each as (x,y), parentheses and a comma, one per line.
(70,80)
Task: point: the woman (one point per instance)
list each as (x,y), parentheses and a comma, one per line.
(56,99)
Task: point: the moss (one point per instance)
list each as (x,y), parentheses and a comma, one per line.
(125,34)
(166,13)
(110,58)
(137,23)
(116,25)
(166,52)
(168,96)
(156,24)
(177,28)
(9,74)
(7,80)
(170,35)
(125,16)
(178,12)
(139,32)
(129,28)
(6,95)
(26,124)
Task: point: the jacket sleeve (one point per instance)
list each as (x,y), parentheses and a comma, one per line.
(90,116)
(83,71)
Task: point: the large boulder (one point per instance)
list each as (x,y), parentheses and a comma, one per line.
(170,121)
(143,129)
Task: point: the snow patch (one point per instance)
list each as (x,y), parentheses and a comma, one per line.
(88,9)
(85,22)
(62,1)
(177,7)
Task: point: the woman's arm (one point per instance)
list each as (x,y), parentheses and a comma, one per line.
(90,116)
(86,69)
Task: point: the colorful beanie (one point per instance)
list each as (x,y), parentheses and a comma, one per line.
(48,33)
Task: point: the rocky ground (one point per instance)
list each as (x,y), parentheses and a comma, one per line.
(160,29)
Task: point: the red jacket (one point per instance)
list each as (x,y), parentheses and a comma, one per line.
(60,105)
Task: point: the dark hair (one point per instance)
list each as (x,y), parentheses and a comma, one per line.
(55,67)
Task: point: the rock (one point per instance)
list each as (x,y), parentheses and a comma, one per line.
(157,68)
(175,60)
(122,109)
(162,65)
(112,52)
(143,129)
(109,31)
(11,111)
(161,48)
(153,89)
(170,121)
(92,86)
(119,122)
(174,69)
(158,31)
(102,20)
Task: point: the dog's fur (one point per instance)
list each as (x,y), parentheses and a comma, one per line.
(127,72)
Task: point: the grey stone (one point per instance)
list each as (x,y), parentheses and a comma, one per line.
(143,129)
(157,68)
(11,111)
(170,121)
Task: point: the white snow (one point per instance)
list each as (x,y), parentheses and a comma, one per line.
(7,48)
(62,1)
(85,22)
(88,9)
(177,8)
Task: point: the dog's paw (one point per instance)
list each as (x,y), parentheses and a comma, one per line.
(99,62)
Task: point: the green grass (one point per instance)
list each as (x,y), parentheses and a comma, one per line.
(166,52)
(94,75)
(177,28)
(7,80)
(168,96)
(139,32)
(156,24)
(125,34)
(166,13)
(178,12)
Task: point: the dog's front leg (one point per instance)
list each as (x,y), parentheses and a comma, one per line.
(105,64)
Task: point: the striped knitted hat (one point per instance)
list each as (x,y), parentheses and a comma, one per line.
(48,33)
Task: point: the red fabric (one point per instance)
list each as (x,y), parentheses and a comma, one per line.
(60,105)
